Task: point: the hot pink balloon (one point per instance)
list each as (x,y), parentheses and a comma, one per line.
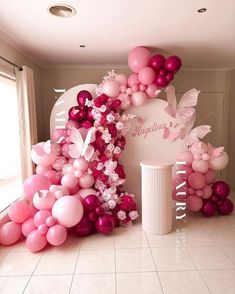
(196,180)
(53,176)
(173,64)
(200,166)
(146,75)
(19,211)
(185,156)
(34,184)
(210,176)
(69,181)
(68,211)
(221,189)
(121,79)
(56,235)
(84,227)
(90,202)
(81,164)
(28,226)
(220,162)
(161,81)
(35,241)
(151,91)
(133,80)
(40,217)
(44,199)
(138,98)
(194,203)
(208,208)
(138,58)
(226,207)
(82,96)
(157,61)
(86,181)
(105,224)
(111,88)
(10,233)
(207,192)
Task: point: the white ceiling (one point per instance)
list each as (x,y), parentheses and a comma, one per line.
(110,28)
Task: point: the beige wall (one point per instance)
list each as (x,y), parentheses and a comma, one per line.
(9,52)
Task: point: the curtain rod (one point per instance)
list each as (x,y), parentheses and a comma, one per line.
(20,68)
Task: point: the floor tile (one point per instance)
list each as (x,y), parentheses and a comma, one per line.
(185,282)
(172,259)
(3,252)
(96,261)
(49,284)
(210,258)
(98,241)
(93,284)
(134,260)
(223,237)
(138,283)
(13,285)
(220,281)
(72,243)
(127,238)
(19,263)
(57,263)
(169,240)
(19,247)
(230,252)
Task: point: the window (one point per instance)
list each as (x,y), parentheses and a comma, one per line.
(10,162)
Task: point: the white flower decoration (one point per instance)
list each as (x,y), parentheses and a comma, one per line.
(110,147)
(112,203)
(133,215)
(110,118)
(117,150)
(106,136)
(119,125)
(121,215)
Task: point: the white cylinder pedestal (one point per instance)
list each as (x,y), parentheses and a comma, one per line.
(156,183)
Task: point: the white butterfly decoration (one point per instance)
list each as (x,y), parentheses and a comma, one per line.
(42,148)
(82,147)
(196,134)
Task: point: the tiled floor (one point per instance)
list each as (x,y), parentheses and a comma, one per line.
(197,257)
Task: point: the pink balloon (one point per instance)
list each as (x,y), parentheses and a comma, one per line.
(40,157)
(207,192)
(85,192)
(32,210)
(133,80)
(28,226)
(59,136)
(10,233)
(151,90)
(43,228)
(121,79)
(35,241)
(220,162)
(185,156)
(86,181)
(44,199)
(138,58)
(53,176)
(81,164)
(105,224)
(199,193)
(125,100)
(200,166)
(34,184)
(69,181)
(184,172)
(19,211)
(135,88)
(157,61)
(196,180)
(68,211)
(56,235)
(65,150)
(146,75)
(194,203)
(50,221)
(111,88)
(210,176)
(138,98)
(40,217)
(42,169)
(74,190)
(143,87)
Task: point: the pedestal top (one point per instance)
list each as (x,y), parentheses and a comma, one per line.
(156,164)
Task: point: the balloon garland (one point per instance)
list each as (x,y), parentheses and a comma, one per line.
(78,185)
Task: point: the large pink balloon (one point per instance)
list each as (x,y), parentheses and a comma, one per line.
(138,98)
(146,75)
(111,88)
(35,241)
(19,211)
(196,180)
(86,181)
(121,79)
(34,184)
(220,162)
(10,233)
(200,166)
(28,226)
(138,58)
(56,235)
(68,211)
(69,181)
(194,203)
(81,164)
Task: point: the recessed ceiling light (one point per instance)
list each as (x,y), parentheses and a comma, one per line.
(202,10)
(82,46)
(62,10)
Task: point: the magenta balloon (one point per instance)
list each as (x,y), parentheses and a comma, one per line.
(90,202)
(226,207)
(169,76)
(82,96)
(84,227)
(19,211)
(35,241)
(28,226)
(56,235)
(173,64)
(221,189)
(208,208)
(161,81)
(10,233)
(105,224)
(196,180)
(138,58)
(157,61)
(34,184)
(194,203)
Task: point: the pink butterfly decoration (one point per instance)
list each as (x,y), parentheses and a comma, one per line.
(42,148)
(215,152)
(196,134)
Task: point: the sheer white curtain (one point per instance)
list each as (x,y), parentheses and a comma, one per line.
(27,117)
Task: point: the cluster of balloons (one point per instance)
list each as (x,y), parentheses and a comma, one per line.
(150,73)
(201,190)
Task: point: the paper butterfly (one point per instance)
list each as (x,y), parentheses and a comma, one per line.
(82,147)
(215,152)
(196,134)
(42,148)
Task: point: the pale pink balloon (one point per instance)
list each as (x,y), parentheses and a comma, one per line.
(43,158)
(35,241)
(121,79)
(207,192)
(86,181)
(125,100)
(151,90)
(40,217)
(34,184)
(59,191)
(210,176)
(69,181)
(42,169)
(138,58)
(129,91)
(85,192)
(56,235)
(44,199)
(53,176)
(200,166)
(19,211)
(197,156)
(143,87)
(220,162)
(59,136)
(135,88)
(205,156)
(133,80)
(123,89)
(50,221)
(111,88)
(194,203)
(43,228)
(28,226)
(139,98)
(81,164)
(10,233)
(68,211)
(146,75)
(185,156)
(196,180)
(68,168)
